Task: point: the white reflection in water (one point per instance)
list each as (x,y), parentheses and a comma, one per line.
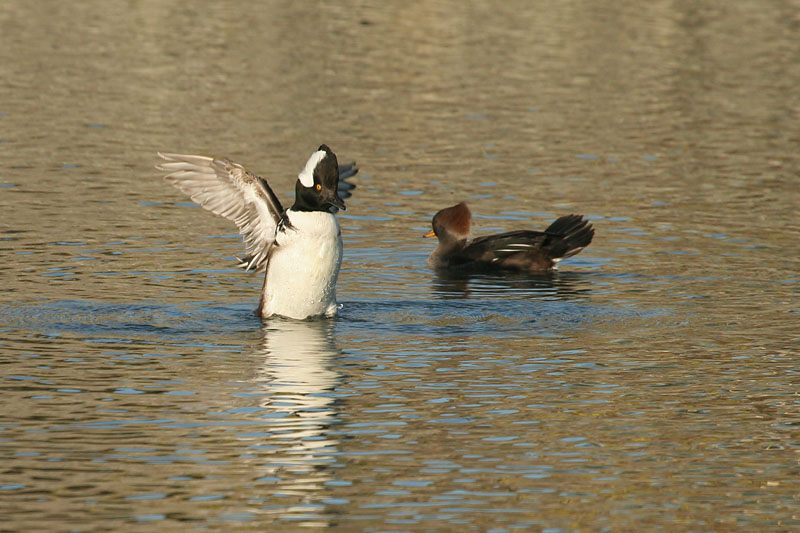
(298,380)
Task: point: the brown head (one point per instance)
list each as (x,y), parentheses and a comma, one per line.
(451,224)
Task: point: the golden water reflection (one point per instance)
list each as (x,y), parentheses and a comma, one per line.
(297,380)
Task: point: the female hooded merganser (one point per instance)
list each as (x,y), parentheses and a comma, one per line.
(525,250)
(300,248)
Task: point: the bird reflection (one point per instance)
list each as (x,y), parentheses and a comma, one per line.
(470,284)
(297,378)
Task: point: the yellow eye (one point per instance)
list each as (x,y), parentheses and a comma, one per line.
(319,187)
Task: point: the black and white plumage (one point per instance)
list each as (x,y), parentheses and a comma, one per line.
(300,248)
(522,250)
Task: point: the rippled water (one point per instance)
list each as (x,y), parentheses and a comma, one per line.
(652,383)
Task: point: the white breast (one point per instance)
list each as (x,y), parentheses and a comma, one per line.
(303,268)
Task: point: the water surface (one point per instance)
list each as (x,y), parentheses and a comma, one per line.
(650,384)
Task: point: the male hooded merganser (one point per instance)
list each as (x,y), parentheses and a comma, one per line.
(525,250)
(300,248)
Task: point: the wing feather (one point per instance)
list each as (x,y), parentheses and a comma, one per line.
(347,171)
(345,188)
(229,190)
(504,245)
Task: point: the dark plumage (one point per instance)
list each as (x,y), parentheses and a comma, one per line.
(522,250)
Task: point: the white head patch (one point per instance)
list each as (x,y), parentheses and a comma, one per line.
(306,177)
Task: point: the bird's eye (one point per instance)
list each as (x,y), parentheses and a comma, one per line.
(319,187)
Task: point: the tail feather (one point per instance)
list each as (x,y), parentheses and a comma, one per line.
(574,232)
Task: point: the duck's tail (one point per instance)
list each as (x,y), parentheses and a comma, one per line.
(574,232)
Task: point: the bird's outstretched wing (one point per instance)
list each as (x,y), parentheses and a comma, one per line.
(345,187)
(229,190)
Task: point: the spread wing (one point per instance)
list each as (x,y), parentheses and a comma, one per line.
(345,187)
(229,190)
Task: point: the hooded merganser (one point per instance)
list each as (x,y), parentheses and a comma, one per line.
(299,248)
(524,250)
